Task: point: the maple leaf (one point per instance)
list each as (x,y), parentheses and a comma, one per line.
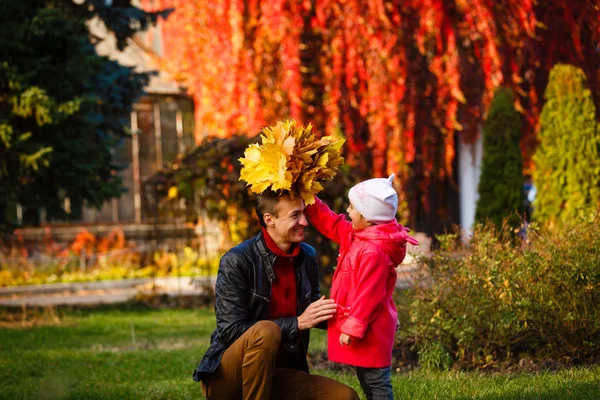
(291,158)
(265,166)
(279,136)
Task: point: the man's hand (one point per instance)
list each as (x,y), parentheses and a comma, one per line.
(317,312)
(345,339)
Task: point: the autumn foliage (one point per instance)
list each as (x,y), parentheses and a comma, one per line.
(489,303)
(398,79)
(291,158)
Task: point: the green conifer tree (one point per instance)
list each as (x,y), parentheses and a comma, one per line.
(567,159)
(63,107)
(501,193)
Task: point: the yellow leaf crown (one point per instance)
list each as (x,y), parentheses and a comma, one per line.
(291,158)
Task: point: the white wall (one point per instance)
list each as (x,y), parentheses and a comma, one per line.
(469,165)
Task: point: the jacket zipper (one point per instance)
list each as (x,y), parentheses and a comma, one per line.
(261,297)
(299,285)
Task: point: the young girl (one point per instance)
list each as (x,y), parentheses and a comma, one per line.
(371,246)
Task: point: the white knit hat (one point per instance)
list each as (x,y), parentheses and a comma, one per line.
(376,199)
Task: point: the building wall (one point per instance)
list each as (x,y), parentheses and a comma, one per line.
(163,128)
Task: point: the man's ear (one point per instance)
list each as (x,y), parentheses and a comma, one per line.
(269,220)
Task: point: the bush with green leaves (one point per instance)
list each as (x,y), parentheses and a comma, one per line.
(433,356)
(501,193)
(491,301)
(567,159)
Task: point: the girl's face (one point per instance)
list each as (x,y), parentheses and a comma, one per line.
(358,221)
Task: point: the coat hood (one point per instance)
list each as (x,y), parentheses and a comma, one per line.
(391,237)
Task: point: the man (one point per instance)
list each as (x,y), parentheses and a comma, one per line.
(267,300)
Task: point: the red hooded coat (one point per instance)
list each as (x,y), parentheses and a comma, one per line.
(362,287)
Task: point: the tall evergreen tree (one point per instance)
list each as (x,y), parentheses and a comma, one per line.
(567,159)
(63,107)
(501,193)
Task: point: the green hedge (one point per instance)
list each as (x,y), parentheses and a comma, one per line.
(501,194)
(567,159)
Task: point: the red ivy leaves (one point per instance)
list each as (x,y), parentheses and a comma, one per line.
(398,78)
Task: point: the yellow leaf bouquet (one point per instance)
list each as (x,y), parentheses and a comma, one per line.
(291,158)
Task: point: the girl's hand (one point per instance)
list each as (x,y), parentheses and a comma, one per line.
(345,339)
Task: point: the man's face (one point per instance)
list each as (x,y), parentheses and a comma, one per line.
(288,226)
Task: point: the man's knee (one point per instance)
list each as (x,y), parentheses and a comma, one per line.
(348,393)
(337,390)
(268,334)
(340,391)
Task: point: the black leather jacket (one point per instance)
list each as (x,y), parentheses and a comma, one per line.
(243,293)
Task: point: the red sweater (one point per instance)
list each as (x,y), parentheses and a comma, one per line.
(283,290)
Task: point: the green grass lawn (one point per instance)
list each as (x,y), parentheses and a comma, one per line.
(137,353)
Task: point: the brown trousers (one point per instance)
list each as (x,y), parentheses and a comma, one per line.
(247,371)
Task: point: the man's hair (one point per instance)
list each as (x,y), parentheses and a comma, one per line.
(267,202)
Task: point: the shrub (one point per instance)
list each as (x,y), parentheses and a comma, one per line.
(490,301)
(567,159)
(434,357)
(501,194)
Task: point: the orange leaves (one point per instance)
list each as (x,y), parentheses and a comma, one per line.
(396,78)
(84,242)
(364,73)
